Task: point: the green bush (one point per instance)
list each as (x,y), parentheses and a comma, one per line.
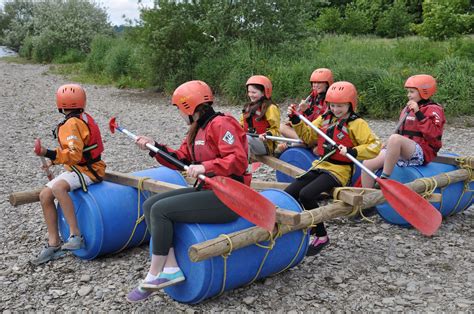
(117,60)
(330,21)
(395,22)
(444,19)
(356,21)
(45,48)
(26,49)
(100,46)
(455,77)
(71,56)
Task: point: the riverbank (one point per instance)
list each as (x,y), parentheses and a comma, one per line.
(367,267)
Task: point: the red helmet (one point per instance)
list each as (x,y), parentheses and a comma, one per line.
(71,96)
(424,83)
(322,75)
(261,80)
(188,96)
(342,92)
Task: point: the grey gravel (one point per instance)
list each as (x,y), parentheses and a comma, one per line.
(369,267)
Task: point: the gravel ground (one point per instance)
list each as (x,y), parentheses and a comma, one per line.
(370,267)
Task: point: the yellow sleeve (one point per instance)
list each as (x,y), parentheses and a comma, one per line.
(306,133)
(72,136)
(366,142)
(272,115)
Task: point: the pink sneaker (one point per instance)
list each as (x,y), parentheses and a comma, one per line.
(316,246)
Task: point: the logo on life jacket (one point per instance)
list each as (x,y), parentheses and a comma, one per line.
(228,138)
(199,142)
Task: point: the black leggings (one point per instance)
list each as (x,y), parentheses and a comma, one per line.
(307,190)
(182,205)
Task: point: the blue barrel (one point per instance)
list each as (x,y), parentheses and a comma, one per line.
(205,279)
(303,158)
(108,212)
(454,197)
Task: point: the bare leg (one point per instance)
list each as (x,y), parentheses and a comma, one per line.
(373,164)
(397,146)
(50,216)
(171,260)
(157,264)
(288,131)
(60,191)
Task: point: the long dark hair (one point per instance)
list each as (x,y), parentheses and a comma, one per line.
(193,128)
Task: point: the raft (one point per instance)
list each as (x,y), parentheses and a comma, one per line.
(454,198)
(241,267)
(303,158)
(109,217)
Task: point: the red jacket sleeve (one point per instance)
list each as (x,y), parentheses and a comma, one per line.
(182,154)
(231,142)
(432,122)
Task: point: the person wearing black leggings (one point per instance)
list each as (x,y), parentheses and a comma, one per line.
(352,136)
(215,145)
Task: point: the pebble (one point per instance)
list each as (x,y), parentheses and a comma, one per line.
(367,268)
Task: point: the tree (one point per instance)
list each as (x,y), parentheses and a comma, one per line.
(395,22)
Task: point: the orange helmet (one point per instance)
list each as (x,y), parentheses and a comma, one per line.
(424,83)
(322,75)
(188,96)
(342,92)
(261,80)
(71,96)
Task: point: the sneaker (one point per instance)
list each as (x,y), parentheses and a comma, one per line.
(316,246)
(164,280)
(280,148)
(48,253)
(138,294)
(73,243)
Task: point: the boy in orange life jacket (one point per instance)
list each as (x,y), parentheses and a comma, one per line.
(261,116)
(80,148)
(333,169)
(418,138)
(313,106)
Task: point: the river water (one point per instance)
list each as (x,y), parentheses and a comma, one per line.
(5,52)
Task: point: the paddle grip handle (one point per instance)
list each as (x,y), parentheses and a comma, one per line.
(278,138)
(332,142)
(163,154)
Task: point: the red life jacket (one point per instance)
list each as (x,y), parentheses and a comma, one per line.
(339,133)
(91,151)
(254,118)
(412,129)
(203,151)
(317,106)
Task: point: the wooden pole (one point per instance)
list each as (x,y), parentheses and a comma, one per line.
(282,215)
(246,237)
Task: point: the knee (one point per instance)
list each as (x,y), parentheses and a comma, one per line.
(394,139)
(46,196)
(59,189)
(307,199)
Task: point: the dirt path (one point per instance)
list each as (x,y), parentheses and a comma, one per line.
(369,267)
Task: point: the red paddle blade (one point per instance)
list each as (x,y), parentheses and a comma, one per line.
(112,125)
(255,166)
(38,146)
(411,206)
(244,201)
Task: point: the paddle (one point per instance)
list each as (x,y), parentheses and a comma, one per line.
(237,196)
(277,138)
(402,120)
(412,207)
(46,169)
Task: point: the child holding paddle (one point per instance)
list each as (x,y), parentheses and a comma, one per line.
(311,107)
(80,148)
(417,138)
(215,145)
(351,134)
(261,116)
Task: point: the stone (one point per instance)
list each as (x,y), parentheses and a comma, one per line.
(84,290)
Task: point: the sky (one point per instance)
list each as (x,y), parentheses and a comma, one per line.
(117,8)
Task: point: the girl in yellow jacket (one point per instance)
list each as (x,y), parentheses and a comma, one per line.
(333,169)
(261,116)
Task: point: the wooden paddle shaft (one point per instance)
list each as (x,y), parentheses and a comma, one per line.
(246,237)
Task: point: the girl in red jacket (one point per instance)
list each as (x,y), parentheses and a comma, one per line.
(418,138)
(215,144)
(313,106)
